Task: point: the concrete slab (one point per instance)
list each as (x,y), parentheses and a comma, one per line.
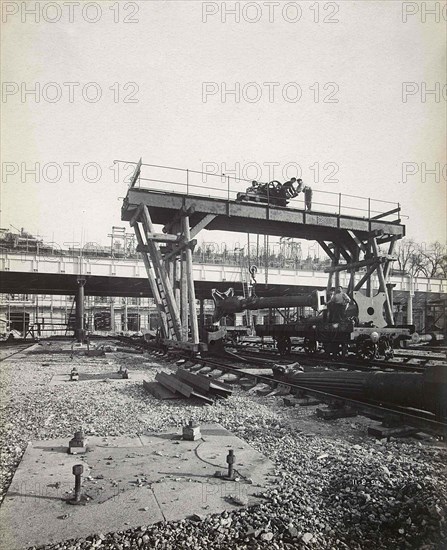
(130,481)
(134,376)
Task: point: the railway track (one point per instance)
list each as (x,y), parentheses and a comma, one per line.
(402,361)
(397,415)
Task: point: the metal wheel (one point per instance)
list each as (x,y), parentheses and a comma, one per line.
(333,349)
(385,348)
(284,346)
(367,350)
(310,346)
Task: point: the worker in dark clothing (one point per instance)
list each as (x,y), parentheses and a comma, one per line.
(329,305)
(288,188)
(307,197)
(340,301)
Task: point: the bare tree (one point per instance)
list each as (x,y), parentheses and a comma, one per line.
(434,260)
(417,259)
(407,253)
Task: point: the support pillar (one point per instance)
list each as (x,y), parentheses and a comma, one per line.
(80,330)
(337,261)
(177,279)
(410,302)
(202,314)
(190,283)
(184,299)
(91,316)
(112,314)
(389,289)
(125,324)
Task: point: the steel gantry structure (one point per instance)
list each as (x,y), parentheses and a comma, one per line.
(352,242)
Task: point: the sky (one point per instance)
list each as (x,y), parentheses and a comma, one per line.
(340,89)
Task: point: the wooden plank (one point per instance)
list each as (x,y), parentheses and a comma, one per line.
(202,382)
(159,391)
(202,224)
(172,383)
(357,241)
(366,277)
(329,413)
(162,237)
(190,279)
(356,265)
(184,298)
(328,251)
(397,431)
(387,268)
(169,381)
(134,219)
(177,249)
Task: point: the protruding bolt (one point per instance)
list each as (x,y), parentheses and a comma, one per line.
(79,435)
(78,470)
(230,461)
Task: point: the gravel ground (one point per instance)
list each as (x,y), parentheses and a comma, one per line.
(339,488)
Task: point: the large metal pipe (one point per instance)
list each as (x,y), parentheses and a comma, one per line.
(228,304)
(427,391)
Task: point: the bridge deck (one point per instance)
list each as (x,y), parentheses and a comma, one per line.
(256,217)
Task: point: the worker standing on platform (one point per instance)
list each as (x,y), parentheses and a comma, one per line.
(288,188)
(330,305)
(308,197)
(340,300)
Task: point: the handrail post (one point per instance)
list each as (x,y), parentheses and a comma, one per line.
(339,204)
(369,208)
(228,188)
(187,181)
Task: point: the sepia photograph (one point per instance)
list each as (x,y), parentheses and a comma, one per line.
(223,275)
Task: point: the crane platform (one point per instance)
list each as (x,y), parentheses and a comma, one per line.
(244,217)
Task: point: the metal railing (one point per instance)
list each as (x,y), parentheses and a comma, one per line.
(169,179)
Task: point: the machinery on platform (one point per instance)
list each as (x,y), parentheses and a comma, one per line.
(274,192)
(363,329)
